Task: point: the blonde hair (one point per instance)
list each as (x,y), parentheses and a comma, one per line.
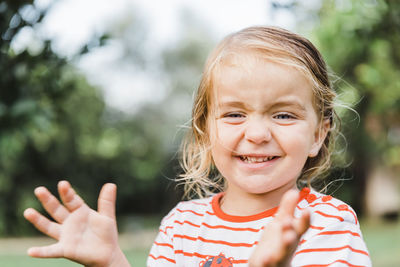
(200,176)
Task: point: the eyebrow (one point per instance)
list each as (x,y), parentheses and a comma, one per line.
(277,104)
(290,103)
(234,104)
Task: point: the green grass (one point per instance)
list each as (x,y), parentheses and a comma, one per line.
(136,258)
(383,241)
(22,260)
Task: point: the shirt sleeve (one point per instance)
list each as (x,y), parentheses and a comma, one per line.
(339,244)
(162,251)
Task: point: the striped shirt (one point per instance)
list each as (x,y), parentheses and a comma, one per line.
(199,233)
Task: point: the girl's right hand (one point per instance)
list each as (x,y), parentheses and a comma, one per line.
(281,236)
(84,235)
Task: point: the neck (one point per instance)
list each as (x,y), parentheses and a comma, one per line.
(241,203)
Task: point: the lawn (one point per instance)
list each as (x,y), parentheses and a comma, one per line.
(136,258)
(383,241)
(13,250)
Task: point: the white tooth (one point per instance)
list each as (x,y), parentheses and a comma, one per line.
(256,159)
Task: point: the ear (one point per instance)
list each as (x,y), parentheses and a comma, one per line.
(320,135)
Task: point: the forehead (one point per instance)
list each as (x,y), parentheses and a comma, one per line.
(244,77)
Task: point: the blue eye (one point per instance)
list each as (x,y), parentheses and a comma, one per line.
(284,116)
(234,115)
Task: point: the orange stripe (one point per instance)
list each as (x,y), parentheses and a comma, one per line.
(211,227)
(164,244)
(162,231)
(331,249)
(339,232)
(172,214)
(190,254)
(210,213)
(187,222)
(329,215)
(218,226)
(332,233)
(324,265)
(196,213)
(316,227)
(195,254)
(162,257)
(216,241)
(231,228)
(330,204)
(166,229)
(201,204)
(302,241)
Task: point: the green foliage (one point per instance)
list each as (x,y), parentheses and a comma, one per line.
(361,43)
(54,125)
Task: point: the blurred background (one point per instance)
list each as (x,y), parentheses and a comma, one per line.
(101,91)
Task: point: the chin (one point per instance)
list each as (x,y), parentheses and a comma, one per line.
(260,188)
(256,189)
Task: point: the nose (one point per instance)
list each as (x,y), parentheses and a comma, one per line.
(258,130)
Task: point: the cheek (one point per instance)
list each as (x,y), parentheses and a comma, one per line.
(224,142)
(227,135)
(297,140)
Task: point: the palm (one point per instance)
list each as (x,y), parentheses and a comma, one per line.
(83,235)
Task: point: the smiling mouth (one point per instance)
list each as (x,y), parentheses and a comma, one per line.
(249,159)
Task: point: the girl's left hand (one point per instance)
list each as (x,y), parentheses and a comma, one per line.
(281,237)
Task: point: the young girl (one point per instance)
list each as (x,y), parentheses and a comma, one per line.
(262,131)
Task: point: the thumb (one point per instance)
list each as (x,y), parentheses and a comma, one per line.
(106,201)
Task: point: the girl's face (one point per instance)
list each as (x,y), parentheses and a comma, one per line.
(264,127)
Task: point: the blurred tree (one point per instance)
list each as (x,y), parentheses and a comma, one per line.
(54,125)
(32,86)
(361,42)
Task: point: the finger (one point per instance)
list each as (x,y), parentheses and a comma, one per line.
(303,223)
(262,257)
(43,224)
(68,196)
(290,238)
(106,201)
(51,204)
(52,251)
(290,241)
(287,205)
